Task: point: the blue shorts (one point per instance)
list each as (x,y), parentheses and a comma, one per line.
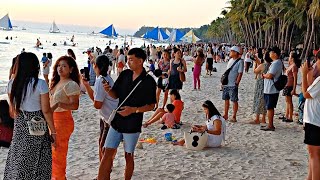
(114,138)
(271,100)
(230,92)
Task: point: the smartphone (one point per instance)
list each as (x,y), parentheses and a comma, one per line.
(85,71)
(104,80)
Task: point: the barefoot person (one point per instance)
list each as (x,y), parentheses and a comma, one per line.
(64,97)
(215,126)
(311,118)
(127,122)
(230,91)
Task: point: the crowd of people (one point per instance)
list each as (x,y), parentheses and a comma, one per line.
(45,106)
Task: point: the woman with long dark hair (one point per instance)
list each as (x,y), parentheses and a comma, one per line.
(215,126)
(29,156)
(71,54)
(64,97)
(177,66)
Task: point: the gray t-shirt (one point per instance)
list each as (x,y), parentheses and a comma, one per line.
(275,69)
(236,69)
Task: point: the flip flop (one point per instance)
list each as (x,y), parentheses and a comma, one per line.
(267,128)
(233,120)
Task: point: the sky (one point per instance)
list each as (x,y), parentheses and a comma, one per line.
(124,14)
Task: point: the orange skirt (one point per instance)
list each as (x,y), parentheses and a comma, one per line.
(63,122)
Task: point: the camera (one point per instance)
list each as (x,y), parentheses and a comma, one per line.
(85,71)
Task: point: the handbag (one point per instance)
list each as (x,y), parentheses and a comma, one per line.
(114,112)
(196,140)
(6,134)
(224,77)
(182,75)
(37,125)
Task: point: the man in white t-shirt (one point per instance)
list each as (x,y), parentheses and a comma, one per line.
(311,118)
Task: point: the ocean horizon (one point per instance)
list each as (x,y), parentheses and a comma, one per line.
(18,25)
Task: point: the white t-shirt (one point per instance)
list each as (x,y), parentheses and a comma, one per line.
(121,58)
(32,100)
(101,95)
(247,58)
(311,111)
(216,140)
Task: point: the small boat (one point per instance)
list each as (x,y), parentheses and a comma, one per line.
(4,42)
(23,28)
(54,28)
(5,23)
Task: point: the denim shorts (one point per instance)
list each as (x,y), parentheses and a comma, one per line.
(129,140)
(230,92)
(271,100)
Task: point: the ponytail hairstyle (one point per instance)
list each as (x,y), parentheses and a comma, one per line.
(102,62)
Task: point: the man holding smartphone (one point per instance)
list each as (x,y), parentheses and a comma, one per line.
(127,122)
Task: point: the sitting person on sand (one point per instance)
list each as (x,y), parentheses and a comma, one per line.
(215,126)
(168,119)
(178,104)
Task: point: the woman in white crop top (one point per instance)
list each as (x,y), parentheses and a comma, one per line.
(30,150)
(215,126)
(64,97)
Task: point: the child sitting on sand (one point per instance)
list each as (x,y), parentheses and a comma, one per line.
(215,126)
(168,119)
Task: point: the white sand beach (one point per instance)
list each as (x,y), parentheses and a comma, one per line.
(248,153)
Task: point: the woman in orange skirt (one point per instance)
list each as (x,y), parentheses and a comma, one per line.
(64,91)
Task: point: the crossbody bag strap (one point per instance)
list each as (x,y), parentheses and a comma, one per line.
(129,94)
(234,64)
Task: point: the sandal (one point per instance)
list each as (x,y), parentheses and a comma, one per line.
(287,120)
(282,117)
(267,128)
(233,120)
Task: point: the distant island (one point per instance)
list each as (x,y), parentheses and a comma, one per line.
(199,32)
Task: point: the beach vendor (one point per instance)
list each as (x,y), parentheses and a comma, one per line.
(136,91)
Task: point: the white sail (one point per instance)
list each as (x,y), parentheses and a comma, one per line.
(5,23)
(54,28)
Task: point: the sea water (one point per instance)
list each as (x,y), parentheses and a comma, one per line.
(27,39)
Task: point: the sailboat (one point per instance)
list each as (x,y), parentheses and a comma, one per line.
(5,23)
(54,28)
(109,31)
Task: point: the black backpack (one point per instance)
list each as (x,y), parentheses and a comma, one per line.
(224,77)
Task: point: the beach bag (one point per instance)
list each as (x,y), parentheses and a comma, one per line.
(37,126)
(224,77)
(196,140)
(113,113)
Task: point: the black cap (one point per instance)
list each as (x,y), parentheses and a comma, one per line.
(276,50)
